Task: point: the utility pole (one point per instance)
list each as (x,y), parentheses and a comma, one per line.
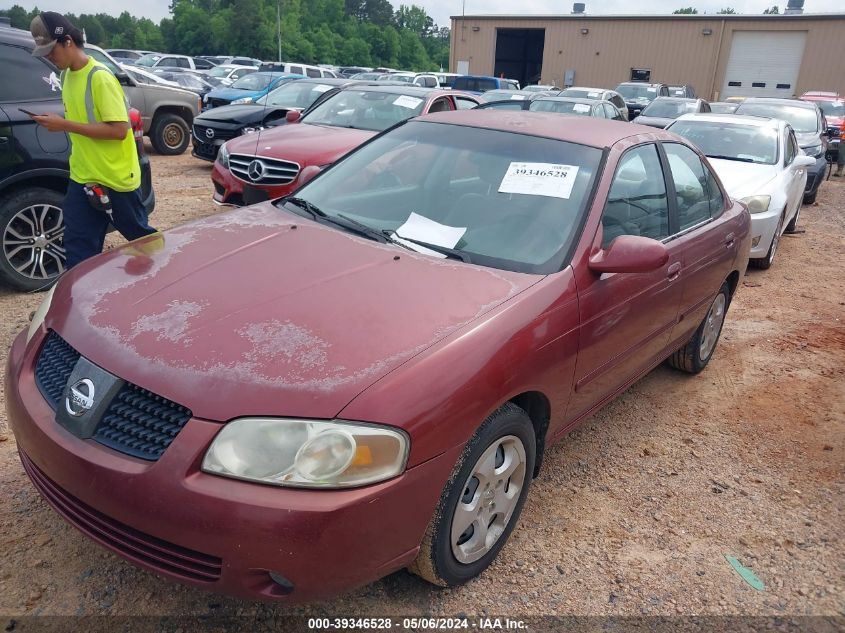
(279,27)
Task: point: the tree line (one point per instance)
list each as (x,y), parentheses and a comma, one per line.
(343,32)
(773,10)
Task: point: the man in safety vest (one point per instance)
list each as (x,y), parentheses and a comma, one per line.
(105,175)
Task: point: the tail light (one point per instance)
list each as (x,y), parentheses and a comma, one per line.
(137,129)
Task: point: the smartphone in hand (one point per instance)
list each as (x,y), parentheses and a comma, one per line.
(28,112)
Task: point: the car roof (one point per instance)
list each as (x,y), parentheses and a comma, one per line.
(564,98)
(639,83)
(407,89)
(588,89)
(11,35)
(783,102)
(676,100)
(745,119)
(817,94)
(589,131)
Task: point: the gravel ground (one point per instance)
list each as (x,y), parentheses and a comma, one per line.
(632,514)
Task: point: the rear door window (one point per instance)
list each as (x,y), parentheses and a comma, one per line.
(691,195)
(313,72)
(26,78)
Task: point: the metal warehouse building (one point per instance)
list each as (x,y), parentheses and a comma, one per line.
(719,55)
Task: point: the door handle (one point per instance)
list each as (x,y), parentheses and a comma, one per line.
(674,271)
(730,240)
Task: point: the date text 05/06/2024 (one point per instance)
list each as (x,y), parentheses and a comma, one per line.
(418,624)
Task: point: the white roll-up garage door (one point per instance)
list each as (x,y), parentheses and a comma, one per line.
(764,64)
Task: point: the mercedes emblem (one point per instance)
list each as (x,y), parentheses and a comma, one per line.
(255,170)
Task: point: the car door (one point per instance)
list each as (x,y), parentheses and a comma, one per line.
(626,318)
(707,247)
(796,176)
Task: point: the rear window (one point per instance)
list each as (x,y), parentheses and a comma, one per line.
(801,119)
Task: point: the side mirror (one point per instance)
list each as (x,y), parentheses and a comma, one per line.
(308,174)
(123,78)
(293,116)
(804,161)
(630,254)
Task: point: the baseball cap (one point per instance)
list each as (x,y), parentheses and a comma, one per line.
(47,28)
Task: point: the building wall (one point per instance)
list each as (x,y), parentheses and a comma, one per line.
(674,48)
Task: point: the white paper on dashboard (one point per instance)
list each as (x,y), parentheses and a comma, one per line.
(407,102)
(518,97)
(539,179)
(651,89)
(418,227)
(321,88)
(581,107)
(593,95)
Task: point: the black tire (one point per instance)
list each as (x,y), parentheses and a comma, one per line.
(31,231)
(692,358)
(764,263)
(504,432)
(169,134)
(810,198)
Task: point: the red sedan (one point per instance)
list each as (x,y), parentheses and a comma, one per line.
(296,398)
(272,163)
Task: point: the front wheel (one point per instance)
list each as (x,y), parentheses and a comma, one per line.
(694,356)
(481,503)
(764,263)
(169,134)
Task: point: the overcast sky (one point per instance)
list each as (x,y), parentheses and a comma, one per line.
(441,10)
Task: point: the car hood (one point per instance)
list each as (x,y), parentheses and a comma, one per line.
(834,121)
(260,312)
(302,143)
(241,113)
(808,139)
(743,179)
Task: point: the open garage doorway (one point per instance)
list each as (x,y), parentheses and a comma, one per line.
(519,54)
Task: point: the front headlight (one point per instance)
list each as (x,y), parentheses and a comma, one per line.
(223,156)
(205,98)
(814,150)
(242,100)
(757,204)
(39,314)
(254,128)
(307,453)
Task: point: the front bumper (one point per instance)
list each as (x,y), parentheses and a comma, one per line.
(763,225)
(211,532)
(815,175)
(231,190)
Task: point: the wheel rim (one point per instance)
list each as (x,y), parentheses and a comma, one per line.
(712,326)
(173,135)
(775,241)
(33,242)
(488,500)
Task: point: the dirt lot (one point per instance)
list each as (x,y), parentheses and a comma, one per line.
(633,513)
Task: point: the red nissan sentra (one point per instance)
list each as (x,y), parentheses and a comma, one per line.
(296,398)
(273,163)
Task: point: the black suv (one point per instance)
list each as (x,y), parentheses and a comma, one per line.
(34,169)
(638,95)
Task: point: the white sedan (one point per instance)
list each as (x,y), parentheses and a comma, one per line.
(759,162)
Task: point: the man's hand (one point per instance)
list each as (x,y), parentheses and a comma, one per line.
(52,122)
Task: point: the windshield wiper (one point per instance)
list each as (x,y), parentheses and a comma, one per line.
(742,160)
(393,236)
(340,220)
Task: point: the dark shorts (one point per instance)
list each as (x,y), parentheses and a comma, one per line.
(85,227)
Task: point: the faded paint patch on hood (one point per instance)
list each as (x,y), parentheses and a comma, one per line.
(744,179)
(258,312)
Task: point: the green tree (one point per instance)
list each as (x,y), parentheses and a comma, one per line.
(726,11)
(686,11)
(772,11)
(356,52)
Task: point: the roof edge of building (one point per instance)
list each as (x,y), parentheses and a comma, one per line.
(657,16)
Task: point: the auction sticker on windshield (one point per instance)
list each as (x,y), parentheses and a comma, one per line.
(321,88)
(581,107)
(539,179)
(407,102)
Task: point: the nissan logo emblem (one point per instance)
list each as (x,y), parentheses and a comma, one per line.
(81,397)
(255,170)
(209,133)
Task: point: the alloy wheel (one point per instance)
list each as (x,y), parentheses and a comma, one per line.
(33,242)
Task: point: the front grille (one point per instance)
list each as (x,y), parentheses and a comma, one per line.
(54,367)
(834,131)
(216,103)
(270,171)
(130,543)
(140,423)
(200,133)
(137,422)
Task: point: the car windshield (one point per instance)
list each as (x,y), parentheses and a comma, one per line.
(637,92)
(147,60)
(408,79)
(498,199)
(365,110)
(666,109)
(501,95)
(831,108)
(723,108)
(561,107)
(750,143)
(801,119)
(580,94)
(297,94)
(253,81)
(220,71)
